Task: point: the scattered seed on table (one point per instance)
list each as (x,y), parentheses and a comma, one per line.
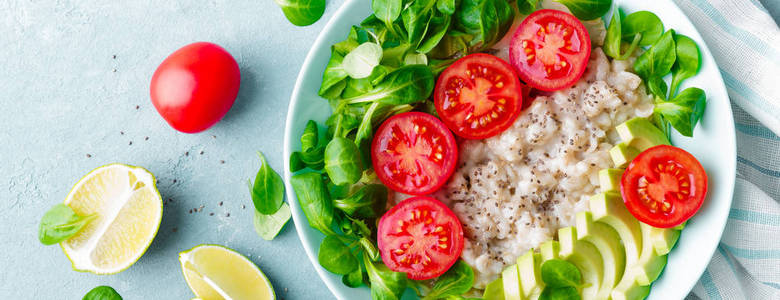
(89,155)
(146,138)
(174,181)
(211,214)
(190,210)
(213,136)
(131,143)
(220,203)
(201,153)
(114,70)
(113,56)
(222,161)
(122,132)
(227,215)
(137,106)
(187,153)
(243,206)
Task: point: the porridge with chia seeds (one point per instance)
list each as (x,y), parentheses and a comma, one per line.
(515,190)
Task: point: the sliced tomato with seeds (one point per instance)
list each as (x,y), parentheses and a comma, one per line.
(664,186)
(478,96)
(550,49)
(421,237)
(413,153)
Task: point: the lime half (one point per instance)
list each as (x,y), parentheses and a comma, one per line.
(129,210)
(215,272)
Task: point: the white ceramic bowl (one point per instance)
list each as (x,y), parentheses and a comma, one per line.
(713,144)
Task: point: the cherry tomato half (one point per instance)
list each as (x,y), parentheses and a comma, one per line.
(195,86)
(478,96)
(421,237)
(550,49)
(414,153)
(664,186)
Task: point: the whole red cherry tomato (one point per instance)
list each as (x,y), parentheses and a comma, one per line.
(195,86)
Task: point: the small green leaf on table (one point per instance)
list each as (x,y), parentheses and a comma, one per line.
(302,12)
(60,223)
(268,226)
(102,292)
(268,189)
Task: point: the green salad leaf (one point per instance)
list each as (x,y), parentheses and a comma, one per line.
(385,284)
(269,226)
(406,85)
(387,10)
(684,110)
(343,162)
(302,12)
(268,189)
(61,223)
(367,202)
(102,292)
(587,9)
(455,282)
(353,279)
(361,61)
(527,7)
(560,273)
(687,63)
(315,201)
(488,20)
(336,257)
(645,24)
(658,60)
(560,293)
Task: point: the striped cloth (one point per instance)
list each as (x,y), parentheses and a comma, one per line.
(745,42)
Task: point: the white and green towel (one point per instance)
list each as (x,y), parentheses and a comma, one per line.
(745,42)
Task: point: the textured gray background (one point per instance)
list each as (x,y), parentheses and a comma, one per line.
(63,96)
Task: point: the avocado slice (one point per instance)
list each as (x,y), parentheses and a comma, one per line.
(608,208)
(629,289)
(511,284)
(608,244)
(586,257)
(664,239)
(494,290)
(650,263)
(530,276)
(622,154)
(609,180)
(550,250)
(641,134)
(636,281)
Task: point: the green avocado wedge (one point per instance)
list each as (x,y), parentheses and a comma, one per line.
(494,290)
(550,250)
(586,257)
(607,242)
(622,154)
(608,208)
(640,134)
(609,180)
(511,284)
(530,276)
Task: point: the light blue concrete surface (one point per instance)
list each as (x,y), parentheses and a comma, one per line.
(63,95)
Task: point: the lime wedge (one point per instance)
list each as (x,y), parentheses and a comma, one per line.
(129,210)
(215,272)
